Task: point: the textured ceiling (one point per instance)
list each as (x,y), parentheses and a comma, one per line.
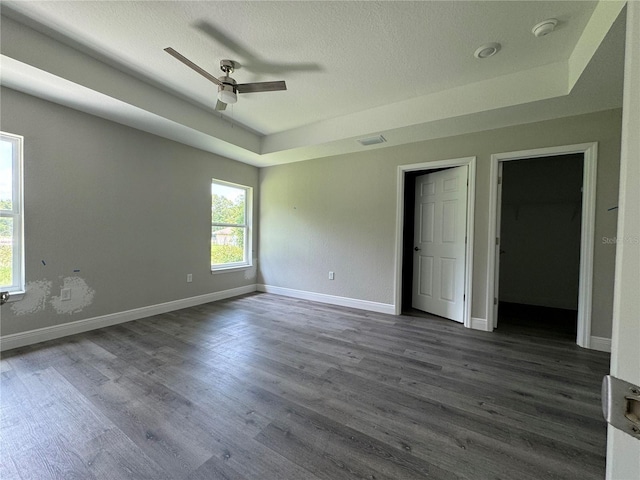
(339,59)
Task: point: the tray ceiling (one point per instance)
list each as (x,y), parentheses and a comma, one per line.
(352,69)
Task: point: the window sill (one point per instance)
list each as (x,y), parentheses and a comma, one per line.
(233,268)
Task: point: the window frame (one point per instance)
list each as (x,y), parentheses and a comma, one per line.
(247,226)
(16,213)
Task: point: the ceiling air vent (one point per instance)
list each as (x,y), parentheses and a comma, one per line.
(372,140)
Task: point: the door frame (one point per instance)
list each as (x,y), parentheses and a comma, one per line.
(470,162)
(587,227)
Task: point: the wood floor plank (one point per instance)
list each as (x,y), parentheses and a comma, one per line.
(457,438)
(53,440)
(480,402)
(269,387)
(215,468)
(8,468)
(509,438)
(162,438)
(56,403)
(345,406)
(512,392)
(344,452)
(524,384)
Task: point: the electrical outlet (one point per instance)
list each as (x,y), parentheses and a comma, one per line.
(189,277)
(65,294)
(331,276)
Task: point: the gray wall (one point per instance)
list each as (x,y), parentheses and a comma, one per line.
(131,211)
(540,231)
(339,213)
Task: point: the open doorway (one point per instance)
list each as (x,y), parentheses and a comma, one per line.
(405,232)
(589,151)
(540,225)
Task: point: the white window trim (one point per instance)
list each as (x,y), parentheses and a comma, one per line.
(18,270)
(248,217)
(235,267)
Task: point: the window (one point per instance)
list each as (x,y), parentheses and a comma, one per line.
(11,237)
(230,225)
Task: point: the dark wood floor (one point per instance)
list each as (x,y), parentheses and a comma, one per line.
(538,321)
(268,387)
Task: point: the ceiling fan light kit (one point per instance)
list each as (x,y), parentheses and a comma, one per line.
(227,94)
(228,88)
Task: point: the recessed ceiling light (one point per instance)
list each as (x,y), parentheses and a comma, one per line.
(487,50)
(545,27)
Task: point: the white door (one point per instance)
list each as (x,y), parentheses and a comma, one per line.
(439,243)
(623,450)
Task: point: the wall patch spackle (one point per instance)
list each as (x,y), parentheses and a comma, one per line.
(81,296)
(35,298)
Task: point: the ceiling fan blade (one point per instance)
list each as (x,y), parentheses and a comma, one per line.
(192,65)
(221,106)
(261,87)
(250,59)
(222,38)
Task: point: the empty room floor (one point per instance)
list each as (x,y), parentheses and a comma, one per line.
(269,387)
(552,323)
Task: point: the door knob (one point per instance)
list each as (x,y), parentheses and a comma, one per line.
(417,249)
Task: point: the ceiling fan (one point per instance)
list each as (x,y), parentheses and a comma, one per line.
(227,86)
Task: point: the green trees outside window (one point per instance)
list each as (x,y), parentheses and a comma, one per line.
(229,224)
(6,245)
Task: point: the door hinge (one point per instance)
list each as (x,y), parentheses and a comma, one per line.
(464,298)
(495,300)
(497,241)
(499,180)
(621,405)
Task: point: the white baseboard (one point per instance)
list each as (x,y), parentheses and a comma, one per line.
(22,339)
(479,324)
(330,299)
(601,344)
